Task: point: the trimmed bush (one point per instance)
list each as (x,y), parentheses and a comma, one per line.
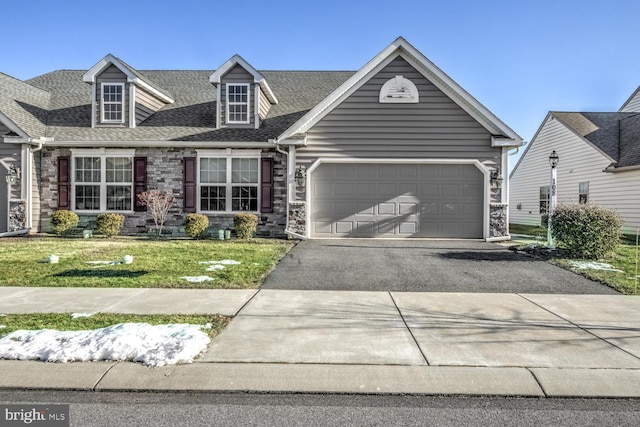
(195,225)
(109,224)
(245,225)
(63,222)
(586,231)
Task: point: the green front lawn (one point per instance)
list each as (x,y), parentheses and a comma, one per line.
(64,321)
(623,259)
(156,263)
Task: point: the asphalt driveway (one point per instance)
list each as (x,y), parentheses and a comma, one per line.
(422,266)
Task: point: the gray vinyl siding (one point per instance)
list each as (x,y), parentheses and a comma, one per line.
(579,162)
(633,105)
(36,191)
(146,104)
(237,75)
(112,75)
(434,128)
(263,105)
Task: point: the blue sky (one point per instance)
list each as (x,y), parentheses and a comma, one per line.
(518,58)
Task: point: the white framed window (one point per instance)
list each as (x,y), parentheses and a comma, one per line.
(237,103)
(228,182)
(583,192)
(112,102)
(102,181)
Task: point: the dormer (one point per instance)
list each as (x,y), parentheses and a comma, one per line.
(244,97)
(122,96)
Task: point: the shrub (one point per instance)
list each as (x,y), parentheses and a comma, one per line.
(586,231)
(245,225)
(63,222)
(109,224)
(195,225)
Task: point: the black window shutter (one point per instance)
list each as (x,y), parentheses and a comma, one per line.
(139,182)
(64,182)
(266,186)
(189,184)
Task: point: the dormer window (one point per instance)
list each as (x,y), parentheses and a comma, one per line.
(237,103)
(112,102)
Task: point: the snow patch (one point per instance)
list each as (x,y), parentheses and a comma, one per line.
(138,342)
(79,315)
(4,326)
(197,279)
(215,267)
(593,266)
(127,259)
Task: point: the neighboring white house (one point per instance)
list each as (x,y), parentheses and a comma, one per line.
(599,163)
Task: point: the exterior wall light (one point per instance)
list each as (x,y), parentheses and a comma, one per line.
(496,178)
(13,175)
(301,176)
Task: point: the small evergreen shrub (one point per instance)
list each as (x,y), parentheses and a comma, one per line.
(586,231)
(63,222)
(109,224)
(195,225)
(245,225)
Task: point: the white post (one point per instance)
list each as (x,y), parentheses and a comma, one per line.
(552,204)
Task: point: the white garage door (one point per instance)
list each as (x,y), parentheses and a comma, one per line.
(396,200)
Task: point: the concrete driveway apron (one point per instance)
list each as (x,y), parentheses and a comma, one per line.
(417,265)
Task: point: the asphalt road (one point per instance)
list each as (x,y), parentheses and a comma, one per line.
(422,266)
(97,409)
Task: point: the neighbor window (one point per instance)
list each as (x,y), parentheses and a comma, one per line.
(237,103)
(544,200)
(103,183)
(583,192)
(228,184)
(112,102)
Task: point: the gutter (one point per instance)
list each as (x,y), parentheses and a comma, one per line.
(613,169)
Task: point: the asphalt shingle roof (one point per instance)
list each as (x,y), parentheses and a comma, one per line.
(192,116)
(615,134)
(24,104)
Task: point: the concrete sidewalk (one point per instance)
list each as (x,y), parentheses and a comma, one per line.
(363,342)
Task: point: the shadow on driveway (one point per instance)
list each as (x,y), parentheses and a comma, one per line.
(422,266)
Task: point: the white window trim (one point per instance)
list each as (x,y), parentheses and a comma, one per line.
(102,153)
(102,118)
(229,103)
(228,154)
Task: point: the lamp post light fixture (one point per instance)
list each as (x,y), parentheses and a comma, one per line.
(554,159)
(301,176)
(496,178)
(13,175)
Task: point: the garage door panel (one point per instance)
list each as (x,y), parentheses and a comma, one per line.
(387,200)
(387,209)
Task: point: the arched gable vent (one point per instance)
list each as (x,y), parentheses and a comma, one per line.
(400,91)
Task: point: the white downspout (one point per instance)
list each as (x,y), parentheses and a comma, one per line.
(28,177)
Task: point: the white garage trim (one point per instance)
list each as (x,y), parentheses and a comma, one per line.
(483,169)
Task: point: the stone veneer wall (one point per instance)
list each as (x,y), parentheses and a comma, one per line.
(297,218)
(17,215)
(498,226)
(165,172)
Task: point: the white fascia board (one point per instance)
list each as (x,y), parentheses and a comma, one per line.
(400,47)
(163,144)
(293,141)
(12,126)
(216,77)
(90,76)
(499,141)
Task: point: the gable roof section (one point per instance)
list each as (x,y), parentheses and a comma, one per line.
(23,107)
(400,47)
(216,77)
(629,142)
(631,104)
(133,76)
